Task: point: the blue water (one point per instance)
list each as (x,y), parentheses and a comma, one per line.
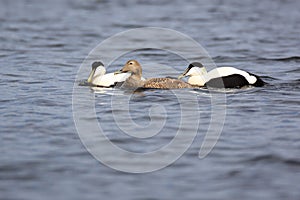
(43,44)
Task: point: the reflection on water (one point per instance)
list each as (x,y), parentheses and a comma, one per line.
(42,47)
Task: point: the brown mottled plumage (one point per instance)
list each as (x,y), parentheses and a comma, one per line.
(134,81)
(165,83)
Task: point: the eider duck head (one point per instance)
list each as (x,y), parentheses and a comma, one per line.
(194,69)
(132,66)
(97,70)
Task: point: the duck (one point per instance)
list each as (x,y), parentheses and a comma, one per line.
(98,77)
(221,77)
(135,79)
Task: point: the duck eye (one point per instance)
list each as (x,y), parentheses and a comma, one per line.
(130,63)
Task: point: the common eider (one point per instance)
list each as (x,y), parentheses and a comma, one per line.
(135,81)
(221,77)
(98,77)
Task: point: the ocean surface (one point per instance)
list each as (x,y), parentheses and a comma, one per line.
(43,46)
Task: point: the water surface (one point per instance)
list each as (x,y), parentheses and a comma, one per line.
(42,47)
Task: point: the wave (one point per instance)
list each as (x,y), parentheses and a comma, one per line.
(290,58)
(274,158)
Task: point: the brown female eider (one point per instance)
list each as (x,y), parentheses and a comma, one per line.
(134,80)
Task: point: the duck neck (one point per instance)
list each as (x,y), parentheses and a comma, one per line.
(136,76)
(197,80)
(133,81)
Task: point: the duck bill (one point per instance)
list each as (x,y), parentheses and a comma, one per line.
(183,74)
(90,78)
(118,72)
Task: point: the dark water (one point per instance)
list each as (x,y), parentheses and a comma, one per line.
(43,44)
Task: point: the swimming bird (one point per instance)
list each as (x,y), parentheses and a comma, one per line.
(98,77)
(135,81)
(221,77)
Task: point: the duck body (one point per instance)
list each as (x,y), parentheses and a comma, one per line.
(109,80)
(165,83)
(222,77)
(230,77)
(98,77)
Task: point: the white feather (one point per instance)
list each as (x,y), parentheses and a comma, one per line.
(100,71)
(109,79)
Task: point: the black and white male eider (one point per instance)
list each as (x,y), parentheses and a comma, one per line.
(98,77)
(221,77)
(135,80)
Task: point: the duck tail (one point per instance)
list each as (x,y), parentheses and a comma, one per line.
(259,82)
